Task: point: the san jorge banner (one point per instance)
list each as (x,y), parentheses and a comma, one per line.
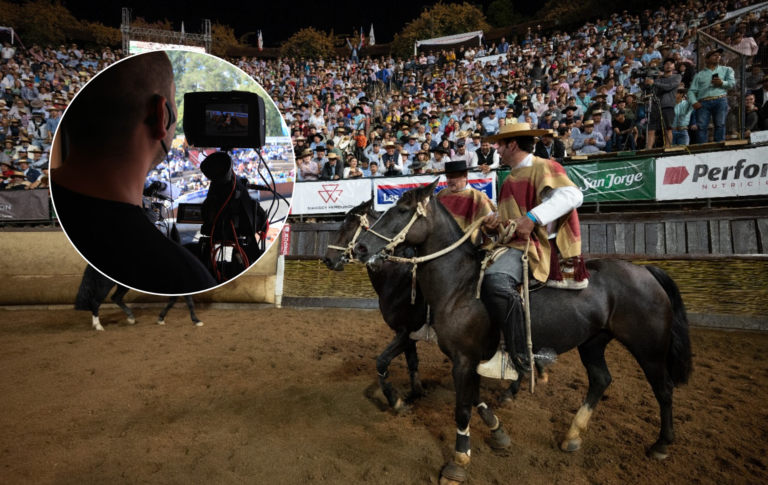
(615,181)
(387,191)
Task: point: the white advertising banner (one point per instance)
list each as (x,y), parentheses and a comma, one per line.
(329,196)
(387,191)
(715,174)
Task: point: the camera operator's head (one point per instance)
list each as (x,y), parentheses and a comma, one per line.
(119,128)
(669,66)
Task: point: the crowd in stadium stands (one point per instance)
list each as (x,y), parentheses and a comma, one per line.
(368,117)
(364,117)
(37,85)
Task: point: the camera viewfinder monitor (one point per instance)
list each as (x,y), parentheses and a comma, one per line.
(234,119)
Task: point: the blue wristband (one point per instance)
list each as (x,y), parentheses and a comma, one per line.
(532,217)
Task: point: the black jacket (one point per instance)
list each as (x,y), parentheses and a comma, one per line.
(558,150)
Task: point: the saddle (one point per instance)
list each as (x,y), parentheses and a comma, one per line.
(568,273)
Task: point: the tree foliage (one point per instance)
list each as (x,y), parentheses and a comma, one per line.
(309,43)
(441,20)
(566,13)
(223,39)
(501,13)
(103,34)
(40,21)
(195,72)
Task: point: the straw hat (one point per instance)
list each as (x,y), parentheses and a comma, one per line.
(514,130)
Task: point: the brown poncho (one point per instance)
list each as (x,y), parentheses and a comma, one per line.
(522,191)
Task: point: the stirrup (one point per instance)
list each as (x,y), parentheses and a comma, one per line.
(425,333)
(499,367)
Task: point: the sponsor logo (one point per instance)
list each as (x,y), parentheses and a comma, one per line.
(330,193)
(736,172)
(675,175)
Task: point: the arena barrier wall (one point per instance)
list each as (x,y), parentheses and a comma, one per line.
(718,257)
(40,267)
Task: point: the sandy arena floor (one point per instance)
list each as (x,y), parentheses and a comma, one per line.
(289,396)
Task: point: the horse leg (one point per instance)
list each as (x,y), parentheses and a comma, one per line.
(171,301)
(412,359)
(396,347)
(117,297)
(465,380)
(542,373)
(651,358)
(101,292)
(191,306)
(514,387)
(499,438)
(592,353)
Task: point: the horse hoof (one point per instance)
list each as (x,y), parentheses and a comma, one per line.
(499,440)
(571,445)
(161,322)
(453,473)
(543,378)
(131,321)
(400,406)
(98,328)
(198,324)
(657,455)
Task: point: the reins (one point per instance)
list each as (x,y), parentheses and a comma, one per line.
(421,211)
(346,252)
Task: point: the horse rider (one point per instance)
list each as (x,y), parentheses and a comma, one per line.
(466,205)
(540,198)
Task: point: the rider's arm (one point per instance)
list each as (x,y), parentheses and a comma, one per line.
(558,203)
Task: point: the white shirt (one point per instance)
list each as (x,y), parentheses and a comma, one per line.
(555,203)
(469,157)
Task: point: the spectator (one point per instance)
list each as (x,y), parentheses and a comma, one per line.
(589,142)
(330,172)
(549,147)
(708,96)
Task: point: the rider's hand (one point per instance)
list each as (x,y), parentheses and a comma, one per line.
(524,227)
(491,222)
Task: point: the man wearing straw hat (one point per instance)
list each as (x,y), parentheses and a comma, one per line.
(540,198)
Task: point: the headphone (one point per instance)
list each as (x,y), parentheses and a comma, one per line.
(152,119)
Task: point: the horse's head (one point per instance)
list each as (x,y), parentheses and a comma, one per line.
(339,251)
(408,223)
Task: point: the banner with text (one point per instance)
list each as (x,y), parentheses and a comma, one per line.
(330,196)
(715,174)
(388,191)
(615,181)
(24,205)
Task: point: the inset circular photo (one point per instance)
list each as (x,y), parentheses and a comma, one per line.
(159,168)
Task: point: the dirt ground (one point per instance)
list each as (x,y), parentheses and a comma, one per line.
(287,397)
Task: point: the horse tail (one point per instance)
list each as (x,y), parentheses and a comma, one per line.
(87,290)
(679,365)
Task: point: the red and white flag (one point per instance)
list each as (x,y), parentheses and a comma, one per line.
(261,42)
(362,37)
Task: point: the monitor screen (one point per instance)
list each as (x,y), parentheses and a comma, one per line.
(226,119)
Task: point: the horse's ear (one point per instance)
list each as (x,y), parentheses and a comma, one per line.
(367,205)
(429,190)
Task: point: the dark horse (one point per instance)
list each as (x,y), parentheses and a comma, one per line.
(95,287)
(640,306)
(393,285)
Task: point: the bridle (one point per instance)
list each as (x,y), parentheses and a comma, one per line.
(388,250)
(347,252)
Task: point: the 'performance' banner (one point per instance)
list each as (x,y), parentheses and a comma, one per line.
(24,205)
(615,181)
(715,174)
(389,190)
(329,196)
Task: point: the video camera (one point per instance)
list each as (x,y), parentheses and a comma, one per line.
(643,73)
(229,216)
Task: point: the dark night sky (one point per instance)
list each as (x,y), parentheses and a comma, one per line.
(277,20)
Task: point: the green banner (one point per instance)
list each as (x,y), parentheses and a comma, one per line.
(615,181)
